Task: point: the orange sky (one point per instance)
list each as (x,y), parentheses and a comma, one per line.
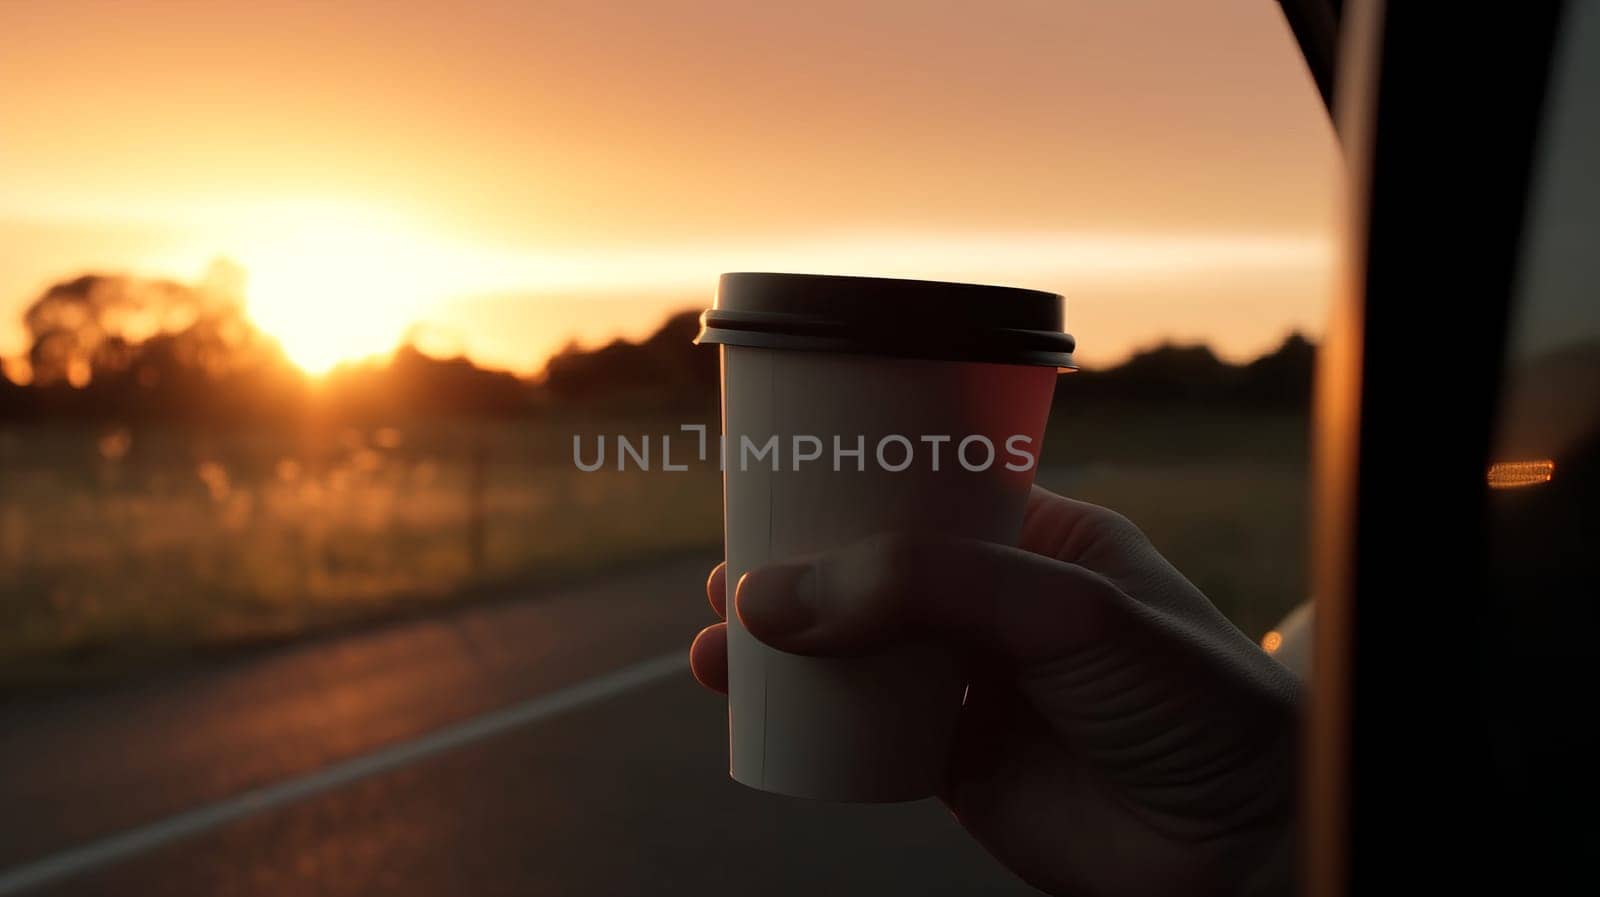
(513,175)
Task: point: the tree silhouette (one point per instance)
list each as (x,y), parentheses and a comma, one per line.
(114,346)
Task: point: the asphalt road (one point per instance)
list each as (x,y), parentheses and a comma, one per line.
(491,750)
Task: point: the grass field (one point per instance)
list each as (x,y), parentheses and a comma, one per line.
(122,550)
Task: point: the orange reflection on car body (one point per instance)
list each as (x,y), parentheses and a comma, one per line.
(1514,474)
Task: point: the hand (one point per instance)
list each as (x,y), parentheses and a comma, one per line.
(1119,737)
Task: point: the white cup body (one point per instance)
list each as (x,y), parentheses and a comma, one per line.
(874,728)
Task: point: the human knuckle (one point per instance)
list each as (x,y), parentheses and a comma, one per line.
(1105,527)
(1117,523)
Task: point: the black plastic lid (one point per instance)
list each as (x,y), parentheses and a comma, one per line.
(887,316)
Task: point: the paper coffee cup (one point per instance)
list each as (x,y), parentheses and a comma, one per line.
(852,407)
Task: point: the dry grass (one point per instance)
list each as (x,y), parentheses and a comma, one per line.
(123,550)
(207,542)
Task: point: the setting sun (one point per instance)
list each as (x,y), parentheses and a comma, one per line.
(340,288)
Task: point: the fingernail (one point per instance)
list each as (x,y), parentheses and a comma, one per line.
(777,600)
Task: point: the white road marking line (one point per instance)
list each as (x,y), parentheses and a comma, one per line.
(147,837)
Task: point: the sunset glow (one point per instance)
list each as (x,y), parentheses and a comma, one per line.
(505,179)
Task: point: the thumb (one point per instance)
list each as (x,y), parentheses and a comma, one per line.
(1019,606)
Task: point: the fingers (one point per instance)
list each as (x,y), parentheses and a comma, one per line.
(708,657)
(1021,606)
(717,589)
